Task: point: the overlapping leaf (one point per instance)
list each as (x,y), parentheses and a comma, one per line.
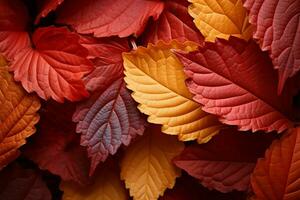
(277,175)
(156,77)
(147,168)
(45,7)
(106,54)
(55,67)
(235,80)
(220,19)
(18,115)
(226,162)
(107,120)
(173,23)
(57,141)
(14,20)
(277,27)
(18,183)
(110,17)
(107,186)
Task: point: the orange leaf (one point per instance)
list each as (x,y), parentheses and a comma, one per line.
(276,177)
(17,115)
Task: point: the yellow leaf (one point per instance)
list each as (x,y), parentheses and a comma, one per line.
(220,19)
(17,115)
(147,165)
(157,80)
(106,186)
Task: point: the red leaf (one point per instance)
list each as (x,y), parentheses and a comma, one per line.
(107,58)
(18,183)
(13,24)
(173,23)
(45,7)
(277,175)
(110,17)
(225,163)
(57,140)
(55,66)
(235,80)
(187,188)
(277,26)
(106,120)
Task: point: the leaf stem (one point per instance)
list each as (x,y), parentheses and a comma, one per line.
(133,44)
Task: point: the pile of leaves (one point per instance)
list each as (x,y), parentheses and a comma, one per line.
(149,99)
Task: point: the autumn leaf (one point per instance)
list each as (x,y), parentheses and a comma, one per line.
(235,80)
(57,140)
(107,186)
(225,163)
(45,7)
(55,67)
(146,166)
(109,18)
(157,80)
(14,20)
(277,27)
(173,23)
(106,54)
(19,183)
(18,115)
(276,176)
(108,119)
(220,19)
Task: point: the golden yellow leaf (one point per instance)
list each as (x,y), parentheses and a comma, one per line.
(157,80)
(18,115)
(147,164)
(220,19)
(106,186)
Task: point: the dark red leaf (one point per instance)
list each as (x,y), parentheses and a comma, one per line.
(236,81)
(110,17)
(14,20)
(107,57)
(187,188)
(56,146)
(173,23)
(108,119)
(226,162)
(55,66)
(277,27)
(17,183)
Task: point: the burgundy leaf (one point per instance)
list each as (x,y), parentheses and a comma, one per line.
(56,146)
(106,54)
(17,183)
(106,120)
